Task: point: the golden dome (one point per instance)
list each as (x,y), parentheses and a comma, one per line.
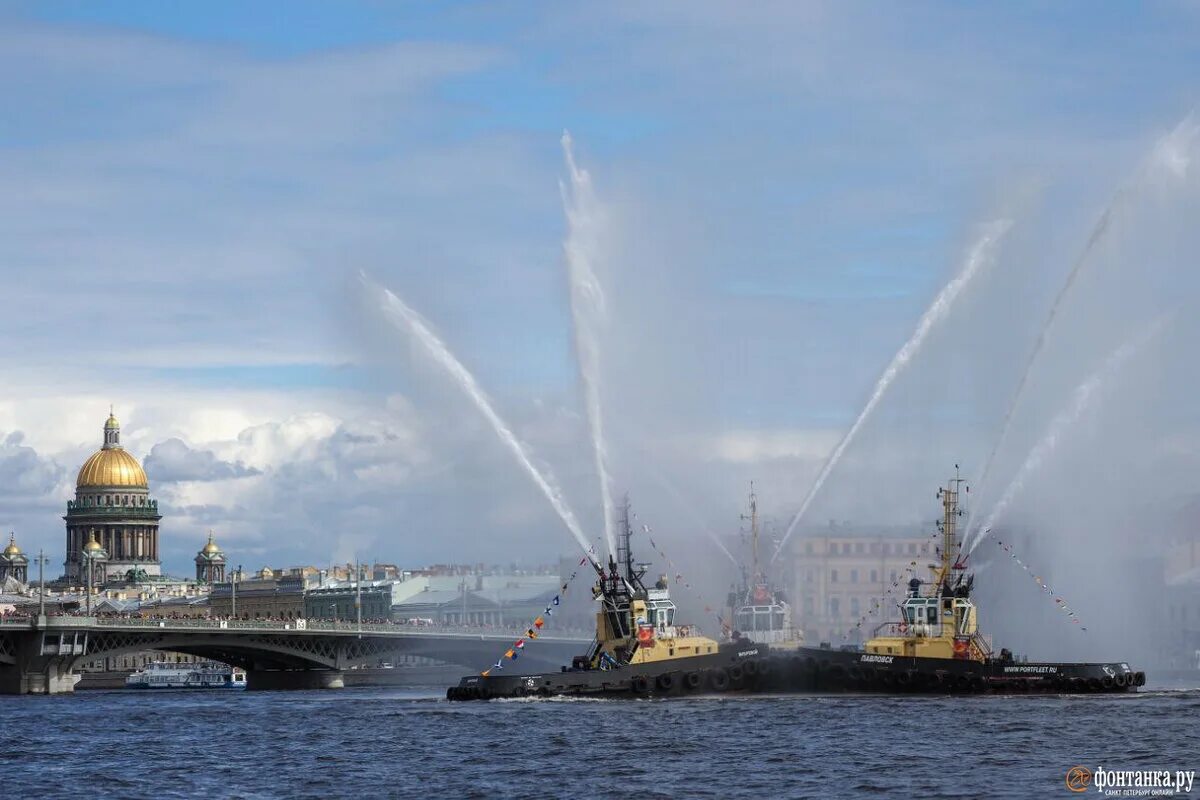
(12,549)
(211,547)
(112,467)
(92,545)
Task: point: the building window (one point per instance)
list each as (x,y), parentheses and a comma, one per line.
(835,608)
(808,549)
(854,608)
(859,548)
(854,576)
(874,576)
(846,548)
(893,577)
(833,576)
(912,549)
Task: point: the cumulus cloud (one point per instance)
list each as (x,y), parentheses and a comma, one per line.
(173,460)
(23,472)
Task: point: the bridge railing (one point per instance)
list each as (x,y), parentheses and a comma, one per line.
(301,625)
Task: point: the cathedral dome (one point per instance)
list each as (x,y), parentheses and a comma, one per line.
(12,549)
(111,468)
(111,465)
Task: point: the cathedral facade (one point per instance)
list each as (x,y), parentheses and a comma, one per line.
(113,507)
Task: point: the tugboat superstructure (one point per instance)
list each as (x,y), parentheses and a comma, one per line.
(759,612)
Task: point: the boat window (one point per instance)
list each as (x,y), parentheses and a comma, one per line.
(932,617)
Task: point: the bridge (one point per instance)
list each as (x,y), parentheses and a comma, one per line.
(40,655)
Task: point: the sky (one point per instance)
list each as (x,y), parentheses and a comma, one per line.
(190,191)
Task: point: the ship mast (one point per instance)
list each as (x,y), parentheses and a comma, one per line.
(948,525)
(754,574)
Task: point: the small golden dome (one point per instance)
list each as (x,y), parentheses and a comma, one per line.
(92,545)
(211,547)
(112,467)
(12,549)
(112,424)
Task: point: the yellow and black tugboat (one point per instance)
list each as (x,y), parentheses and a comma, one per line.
(935,646)
(640,649)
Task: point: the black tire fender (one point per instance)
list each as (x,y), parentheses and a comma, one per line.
(665,682)
(639,684)
(692,680)
(718,680)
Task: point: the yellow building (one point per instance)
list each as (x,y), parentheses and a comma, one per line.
(837,576)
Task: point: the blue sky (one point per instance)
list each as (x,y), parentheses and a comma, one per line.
(191,187)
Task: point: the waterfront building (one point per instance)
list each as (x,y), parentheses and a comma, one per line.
(113,506)
(336,600)
(210,563)
(272,597)
(13,563)
(838,573)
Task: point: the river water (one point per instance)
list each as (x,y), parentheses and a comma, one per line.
(379,742)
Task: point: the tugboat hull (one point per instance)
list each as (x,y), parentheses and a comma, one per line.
(749,668)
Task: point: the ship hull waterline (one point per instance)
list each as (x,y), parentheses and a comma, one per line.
(756,669)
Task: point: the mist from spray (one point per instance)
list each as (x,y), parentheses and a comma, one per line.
(981,253)
(673,491)
(405,318)
(1170,155)
(584,219)
(1082,399)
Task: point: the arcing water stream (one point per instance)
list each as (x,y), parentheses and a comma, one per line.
(980,254)
(1081,399)
(404,317)
(1171,155)
(587,312)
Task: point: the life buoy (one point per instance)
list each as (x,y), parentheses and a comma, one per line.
(645,635)
(640,684)
(902,627)
(761,595)
(961,648)
(692,680)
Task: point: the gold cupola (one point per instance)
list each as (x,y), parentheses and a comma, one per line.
(12,549)
(111,465)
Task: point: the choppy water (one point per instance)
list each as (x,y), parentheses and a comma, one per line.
(374,743)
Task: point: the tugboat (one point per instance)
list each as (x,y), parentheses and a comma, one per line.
(758,611)
(935,647)
(639,648)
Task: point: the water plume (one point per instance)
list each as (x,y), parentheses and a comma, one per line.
(404,317)
(1171,155)
(979,254)
(584,220)
(1082,399)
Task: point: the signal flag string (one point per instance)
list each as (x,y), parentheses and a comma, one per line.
(535,628)
(1058,601)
